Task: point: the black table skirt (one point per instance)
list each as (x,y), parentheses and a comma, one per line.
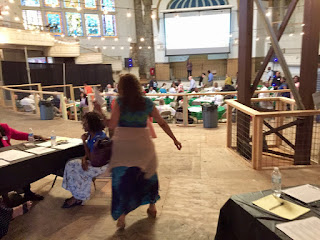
(28,170)
(241,220)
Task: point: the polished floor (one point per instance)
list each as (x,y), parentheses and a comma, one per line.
(194,185)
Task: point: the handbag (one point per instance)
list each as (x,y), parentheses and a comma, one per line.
(101,153)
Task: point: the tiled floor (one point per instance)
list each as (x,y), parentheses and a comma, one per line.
(194,184)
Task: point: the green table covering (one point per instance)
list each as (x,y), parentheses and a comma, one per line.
(198,115)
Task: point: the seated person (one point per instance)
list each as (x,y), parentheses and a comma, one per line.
(179,115)
(6,134)
(83,100)
(162,108)
(7,214)
(28,103)
(151,90)
(173,88)
(78,173)
(284,86)
(265,104)
(228,80)
(163,88)
(216,87)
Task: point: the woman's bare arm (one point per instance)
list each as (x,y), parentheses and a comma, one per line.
(165,127)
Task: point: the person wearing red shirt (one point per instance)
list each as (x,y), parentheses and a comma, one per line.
(6,134)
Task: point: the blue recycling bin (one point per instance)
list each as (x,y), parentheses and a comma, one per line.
(46,110)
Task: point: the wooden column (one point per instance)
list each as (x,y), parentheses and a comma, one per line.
(229,126)
(244,77)
(257,142)
(13,101)
(185,110)
(308,82)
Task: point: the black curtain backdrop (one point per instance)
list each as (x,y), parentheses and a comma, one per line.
(15,73)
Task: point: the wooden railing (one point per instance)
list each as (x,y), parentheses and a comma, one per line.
(258,118)
(34,93)
(185,97)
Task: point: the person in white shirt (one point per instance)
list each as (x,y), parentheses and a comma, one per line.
(173,88)
(269,75)
(162,107)
(265,104)
(216,87)
(193,84)
(151,90)
(28,103)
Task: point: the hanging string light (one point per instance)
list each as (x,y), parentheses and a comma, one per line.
(149,47)
(102,39)
(121,48)
(129,39)
(113,47)
(140,47)
(89,38)
(128,14)
(142,39)
(11,1)
(116,39)
(104,47)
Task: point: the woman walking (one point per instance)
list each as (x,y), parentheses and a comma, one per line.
(134,161)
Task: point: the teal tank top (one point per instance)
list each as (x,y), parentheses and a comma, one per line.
(136,119)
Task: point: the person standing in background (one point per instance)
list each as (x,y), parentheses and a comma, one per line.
(189,67)
(269,76)
(210,78)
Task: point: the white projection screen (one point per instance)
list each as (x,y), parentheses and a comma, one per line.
(197,32)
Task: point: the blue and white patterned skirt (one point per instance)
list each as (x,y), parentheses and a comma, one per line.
(78,181)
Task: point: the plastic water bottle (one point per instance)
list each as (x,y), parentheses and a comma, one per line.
(30,136)
(276,182)
(53,139)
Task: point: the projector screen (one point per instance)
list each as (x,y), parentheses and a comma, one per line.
(197,32)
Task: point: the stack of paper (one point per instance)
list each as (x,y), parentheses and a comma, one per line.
(305,193)
(12,155)
(40,150)
(280,207)
(73,141)
(308,228)
(3,163)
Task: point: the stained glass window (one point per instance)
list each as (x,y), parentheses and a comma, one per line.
(71,3)
(54,22)
(74,24)
(30,3)
(109,25)
(52,3)
(32,19)
(108,5)
(92,24)
(90,4)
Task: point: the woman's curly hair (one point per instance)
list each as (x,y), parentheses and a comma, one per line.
(94,120)
(130,93)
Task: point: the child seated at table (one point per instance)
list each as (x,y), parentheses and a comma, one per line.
(78,173)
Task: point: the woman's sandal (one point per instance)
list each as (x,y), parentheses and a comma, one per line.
(67,205)
(152,213)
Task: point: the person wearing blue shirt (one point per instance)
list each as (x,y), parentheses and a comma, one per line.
(163,88)
(78,173)
(193,84)
(210,78)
